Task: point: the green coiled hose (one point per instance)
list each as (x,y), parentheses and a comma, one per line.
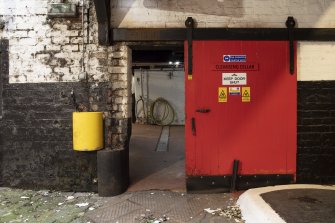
(162,112)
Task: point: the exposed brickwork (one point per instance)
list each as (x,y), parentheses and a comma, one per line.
(36,132)
(3,78)
(119,98)
(316,132)
(3,67)
(36,128)
(51,49)
(43,63)
(41,67)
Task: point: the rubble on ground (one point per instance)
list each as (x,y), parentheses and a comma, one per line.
(150,218)
(231,212)
(18,205)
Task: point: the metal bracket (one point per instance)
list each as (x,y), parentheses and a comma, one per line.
(203,110)
(290,23)
(62,10)
(189,23)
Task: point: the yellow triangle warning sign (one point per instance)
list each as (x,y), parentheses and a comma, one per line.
(222,94)
(246,94)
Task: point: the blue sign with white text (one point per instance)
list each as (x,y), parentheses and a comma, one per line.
(234,58)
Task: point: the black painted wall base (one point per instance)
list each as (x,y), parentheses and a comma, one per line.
(36,147)
(216,184)
(316,132)
(36,133)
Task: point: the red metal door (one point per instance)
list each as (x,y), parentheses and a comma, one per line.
(256,126)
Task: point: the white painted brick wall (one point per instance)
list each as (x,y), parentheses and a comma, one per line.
(316,61)
(49,50)
(32,35)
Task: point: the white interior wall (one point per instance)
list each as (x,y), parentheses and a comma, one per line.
(157,83)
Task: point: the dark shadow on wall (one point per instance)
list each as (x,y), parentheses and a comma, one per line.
(231,8)
(4,45)
(1,160)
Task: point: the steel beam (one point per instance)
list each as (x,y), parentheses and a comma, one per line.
(180,34)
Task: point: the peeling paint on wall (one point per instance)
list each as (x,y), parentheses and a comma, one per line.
(43,49)
(43,66)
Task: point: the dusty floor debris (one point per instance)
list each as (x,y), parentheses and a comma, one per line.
(45,206)
(231,212)
(18,205)
(152,219)
(164,206)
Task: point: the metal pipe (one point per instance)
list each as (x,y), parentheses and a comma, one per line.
(142,96)
(147,86)
(234,176)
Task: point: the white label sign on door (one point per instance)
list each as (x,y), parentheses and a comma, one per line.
(234,78)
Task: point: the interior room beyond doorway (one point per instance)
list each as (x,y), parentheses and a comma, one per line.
(157,159)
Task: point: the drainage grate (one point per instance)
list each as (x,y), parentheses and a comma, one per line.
(163,142)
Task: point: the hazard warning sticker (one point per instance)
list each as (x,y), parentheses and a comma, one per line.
(246,96)
(222,93)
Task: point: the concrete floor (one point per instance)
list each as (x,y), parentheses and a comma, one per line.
(153,206)
(151,170)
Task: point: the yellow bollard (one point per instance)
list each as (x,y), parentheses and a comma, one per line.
(87,131)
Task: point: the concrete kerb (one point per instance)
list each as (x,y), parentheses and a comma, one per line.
(255,210)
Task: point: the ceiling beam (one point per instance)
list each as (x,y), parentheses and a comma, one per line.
(179,34)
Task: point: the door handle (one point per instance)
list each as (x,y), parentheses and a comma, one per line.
(193,126)
(203,110)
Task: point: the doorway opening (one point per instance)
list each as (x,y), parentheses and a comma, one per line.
(157,145)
